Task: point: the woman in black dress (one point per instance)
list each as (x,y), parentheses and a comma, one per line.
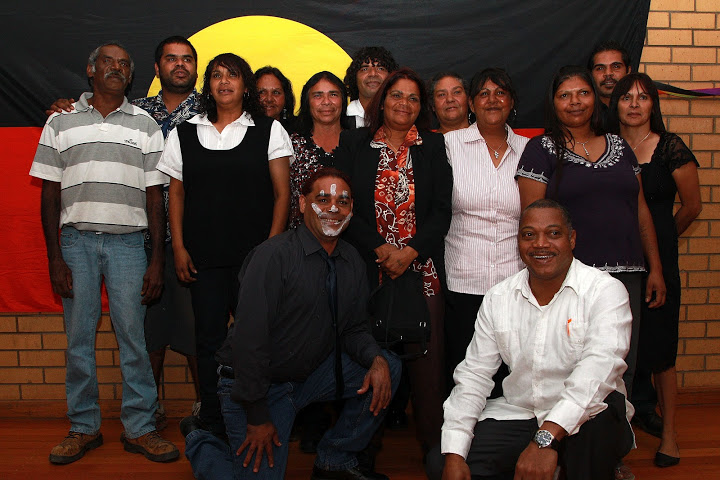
(668,167)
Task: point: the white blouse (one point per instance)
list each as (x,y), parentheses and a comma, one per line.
(481,245)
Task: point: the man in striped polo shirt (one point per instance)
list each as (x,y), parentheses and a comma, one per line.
(100,186)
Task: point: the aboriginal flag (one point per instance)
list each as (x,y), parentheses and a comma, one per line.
(46,45)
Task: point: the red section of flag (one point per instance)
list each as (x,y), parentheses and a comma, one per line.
(24,279)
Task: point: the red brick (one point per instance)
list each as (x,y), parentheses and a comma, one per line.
(55,375)
(173,374)
(707,6)
(692,329)
(685,282)
(691,125)
(109,375)
(694,296)
(104,325)
(670,72)
(672,5)
(715,228)
(690,362)
(105,340)
(705,107)
(56,341)
(655,55)
(692,20)
(705,72)
(706,142)
(669,37)
(8,358)
(713,328)
(703,312)
(42,358)
(712,362)
(657,20)
(174,358)
(107,392)
(179,391)
(8,324)
(702,346)
(701,379)
(714,294)
(672,106)
(698,228)
(704,245)
(104,358)
(704,37)
(41,324)
(9,392)
(704,159)
(21,375)
(693,262)
(19,341)
(42,392)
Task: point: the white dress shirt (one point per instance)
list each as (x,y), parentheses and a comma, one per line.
(564,357)
(355,109)
(481,245)
(171,161)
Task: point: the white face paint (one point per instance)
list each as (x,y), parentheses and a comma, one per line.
(330,226)
(333,189)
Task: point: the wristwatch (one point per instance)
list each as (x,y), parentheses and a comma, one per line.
(545,439)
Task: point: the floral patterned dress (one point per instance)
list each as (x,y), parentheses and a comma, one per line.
(395,201)
(309,158)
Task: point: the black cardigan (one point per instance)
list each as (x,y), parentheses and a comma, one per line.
(433,196)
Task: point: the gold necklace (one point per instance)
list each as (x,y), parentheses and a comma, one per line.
(644,138)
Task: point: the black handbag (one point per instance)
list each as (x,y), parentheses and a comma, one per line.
(399,311)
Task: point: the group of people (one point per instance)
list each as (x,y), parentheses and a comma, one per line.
(548,266)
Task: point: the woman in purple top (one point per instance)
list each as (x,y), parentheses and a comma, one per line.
(597,178)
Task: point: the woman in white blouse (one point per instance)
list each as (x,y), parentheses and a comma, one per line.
(229,191)
(481,246)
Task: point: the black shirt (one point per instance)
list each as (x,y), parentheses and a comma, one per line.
(283,327)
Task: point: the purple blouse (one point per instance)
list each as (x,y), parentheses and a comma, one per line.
(602,198)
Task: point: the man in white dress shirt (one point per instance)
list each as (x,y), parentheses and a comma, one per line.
(563,328)
(369,68)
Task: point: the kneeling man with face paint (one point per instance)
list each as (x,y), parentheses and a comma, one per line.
(300,336)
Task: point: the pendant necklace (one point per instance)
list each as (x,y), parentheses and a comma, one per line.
(582,144)
(644,138)
(496,153)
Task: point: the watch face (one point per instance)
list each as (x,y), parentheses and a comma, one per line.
(543,438)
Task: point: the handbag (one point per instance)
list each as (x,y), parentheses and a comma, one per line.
(399,312)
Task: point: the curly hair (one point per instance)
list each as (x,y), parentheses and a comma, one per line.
(237,65)
(379,55)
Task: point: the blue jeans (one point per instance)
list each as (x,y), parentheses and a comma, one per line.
(121,261)
(336,450)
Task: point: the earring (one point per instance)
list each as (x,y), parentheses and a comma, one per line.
(284,114)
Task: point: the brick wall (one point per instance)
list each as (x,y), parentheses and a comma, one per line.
(682,48)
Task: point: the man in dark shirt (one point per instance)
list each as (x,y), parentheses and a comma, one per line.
(302,297)
(608,63)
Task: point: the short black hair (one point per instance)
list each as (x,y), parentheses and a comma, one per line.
(323,173)
(500,78)
(170,40)
(608,46)
(550,203)
(379,55)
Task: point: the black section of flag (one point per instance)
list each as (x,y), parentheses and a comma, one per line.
(46,43)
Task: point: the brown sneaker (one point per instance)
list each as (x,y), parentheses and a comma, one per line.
(74,447)
(152,445)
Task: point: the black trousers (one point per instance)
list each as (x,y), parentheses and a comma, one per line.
(214,299)
(590,454)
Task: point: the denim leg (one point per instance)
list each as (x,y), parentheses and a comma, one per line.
(123,265)
(356,424)
(209,457)
(282,413)
(82,312)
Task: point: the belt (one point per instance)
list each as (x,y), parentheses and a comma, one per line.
(226,372)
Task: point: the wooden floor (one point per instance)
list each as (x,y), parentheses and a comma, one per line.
(26,442)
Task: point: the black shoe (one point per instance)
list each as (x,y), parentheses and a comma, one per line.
(190,424)
(652,424)
(349,474)
(662,460)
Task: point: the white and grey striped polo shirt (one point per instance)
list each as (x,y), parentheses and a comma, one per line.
(103,165)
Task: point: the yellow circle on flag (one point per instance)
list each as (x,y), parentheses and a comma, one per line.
(297,50)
